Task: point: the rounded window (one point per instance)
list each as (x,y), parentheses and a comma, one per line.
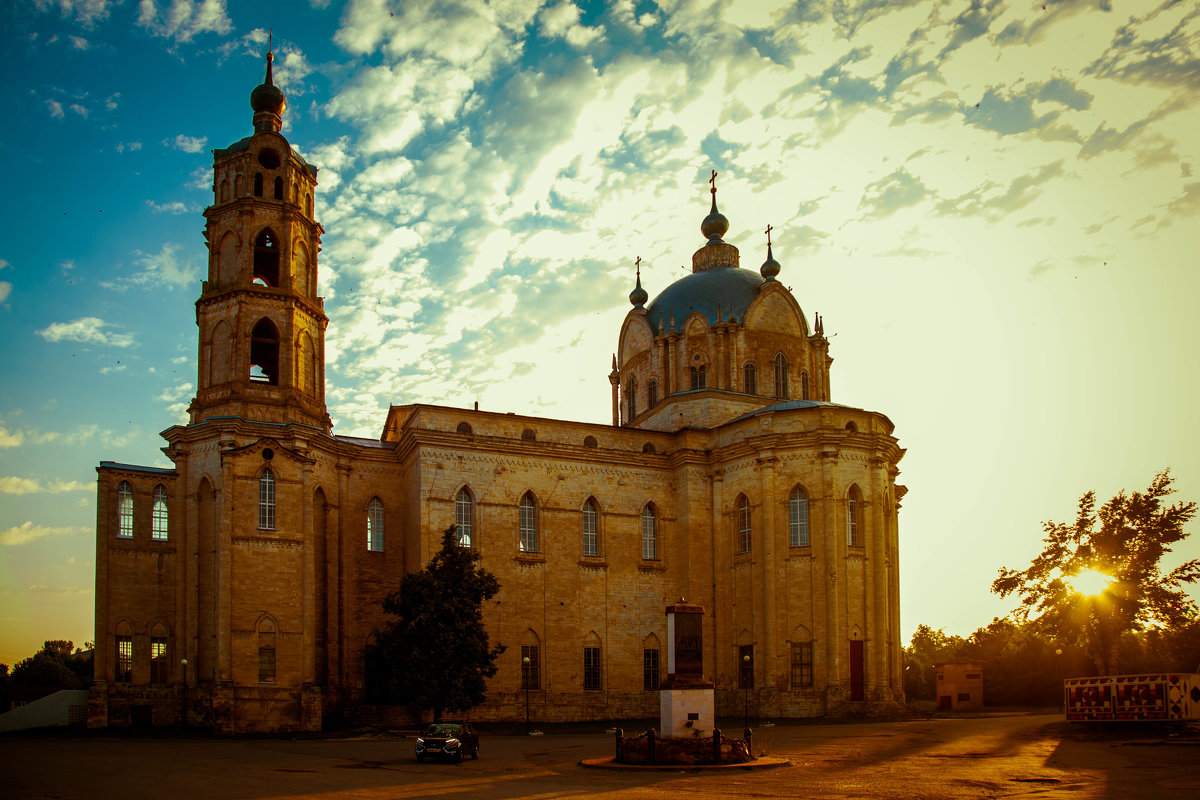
(268,158)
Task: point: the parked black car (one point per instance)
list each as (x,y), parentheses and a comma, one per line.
(451,740)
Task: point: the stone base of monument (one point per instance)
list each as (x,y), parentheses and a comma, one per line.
(686,712)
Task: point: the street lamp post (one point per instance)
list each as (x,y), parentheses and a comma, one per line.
(746,690)
(525,680)
(184,662)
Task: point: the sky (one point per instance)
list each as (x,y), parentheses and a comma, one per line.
(994,206)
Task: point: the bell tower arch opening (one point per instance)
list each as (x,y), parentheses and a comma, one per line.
(266,259)
(264,353)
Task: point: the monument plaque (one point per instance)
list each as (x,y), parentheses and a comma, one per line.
(685,698)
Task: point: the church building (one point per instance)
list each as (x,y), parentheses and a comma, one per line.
(239,589)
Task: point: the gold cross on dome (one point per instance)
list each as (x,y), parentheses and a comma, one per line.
(713,181)
(768,232)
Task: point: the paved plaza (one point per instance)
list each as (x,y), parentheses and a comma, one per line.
(978,756)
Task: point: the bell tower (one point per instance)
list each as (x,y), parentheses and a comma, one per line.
(261,322)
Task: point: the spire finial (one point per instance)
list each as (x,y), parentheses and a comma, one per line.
(714,225)
(266,99)
(638,296)
(770,267)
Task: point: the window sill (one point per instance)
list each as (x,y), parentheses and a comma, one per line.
(593,562)
(530,558)
(652,566)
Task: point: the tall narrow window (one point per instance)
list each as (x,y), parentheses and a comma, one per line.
(743,524)
(631,397)
(125,510)
(854,517)
(804,386)
(650,669)
(258,184)
(798,518)
(649,534)
(375,525)
(266,259)
(158,659)
(746,666)
(264,353)
(781,376)
(698,377)
(159,519)
(266,651)
(266,500)
(651,394)
(749,379)
(278,188)
(528,523)
(591,668)
(464,514)
(591,537)
(531,672)
(124,665)
(802,665)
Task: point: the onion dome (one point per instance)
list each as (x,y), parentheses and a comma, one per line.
(638,296)
(267,101)
(770,267)
(715,224)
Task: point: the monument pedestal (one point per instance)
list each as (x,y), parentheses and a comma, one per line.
(685,700)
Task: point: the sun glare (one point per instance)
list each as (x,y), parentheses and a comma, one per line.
(1090,582)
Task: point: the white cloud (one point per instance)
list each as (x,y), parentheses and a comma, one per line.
(56,109)
(562,22)
(11,438)
(16,485)
(85,330)
(188,144)
(162,269)
(174,207)
(5,290)
(79,43)
(183,19)
(87,12)
(3,263)
(130,146)
(27,532)
(78,109)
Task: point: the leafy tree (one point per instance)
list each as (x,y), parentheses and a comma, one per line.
(1125,541)
(928,647)
(436,653)
(58,665)
(3,688)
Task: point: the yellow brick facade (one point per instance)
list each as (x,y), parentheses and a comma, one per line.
(265,584)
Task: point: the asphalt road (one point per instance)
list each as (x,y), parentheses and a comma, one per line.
(988,755)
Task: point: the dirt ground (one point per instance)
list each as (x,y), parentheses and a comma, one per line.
(976,756)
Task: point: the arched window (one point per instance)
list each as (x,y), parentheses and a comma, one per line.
(224,194)
(802,658)
(854,517)
(464,516)
(781,376)
(266,259)
(264,353)
(464,427)
(798,518)
(804,391)
(258,184)
(375,525)
(743,524)
(591,530)
(160,664)
(531,662)
(266,500)
(631,398)
(125,510)
(266,650)
(158,515)
(123,639)
(308,204)
(651,663)
(528,524)
(590,441)
(749,378)
(649,533)
(529,435)
(278,188)
(651,394)
(698,378)
(591,663)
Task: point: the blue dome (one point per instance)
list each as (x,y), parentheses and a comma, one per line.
(731,288)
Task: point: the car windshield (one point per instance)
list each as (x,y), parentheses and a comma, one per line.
(443,729)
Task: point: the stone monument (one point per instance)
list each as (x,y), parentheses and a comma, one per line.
(686,705)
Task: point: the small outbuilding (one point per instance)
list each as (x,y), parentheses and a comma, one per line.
(960,686)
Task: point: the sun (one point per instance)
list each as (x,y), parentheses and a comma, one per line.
(1090,582)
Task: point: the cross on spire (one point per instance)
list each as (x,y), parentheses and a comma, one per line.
(638,265)
(713,181)
(768,232)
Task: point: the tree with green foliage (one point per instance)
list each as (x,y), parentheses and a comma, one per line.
(1125,541)
(435,653)
(58,665)
(928,647)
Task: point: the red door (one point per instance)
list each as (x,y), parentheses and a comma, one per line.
(857,691)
